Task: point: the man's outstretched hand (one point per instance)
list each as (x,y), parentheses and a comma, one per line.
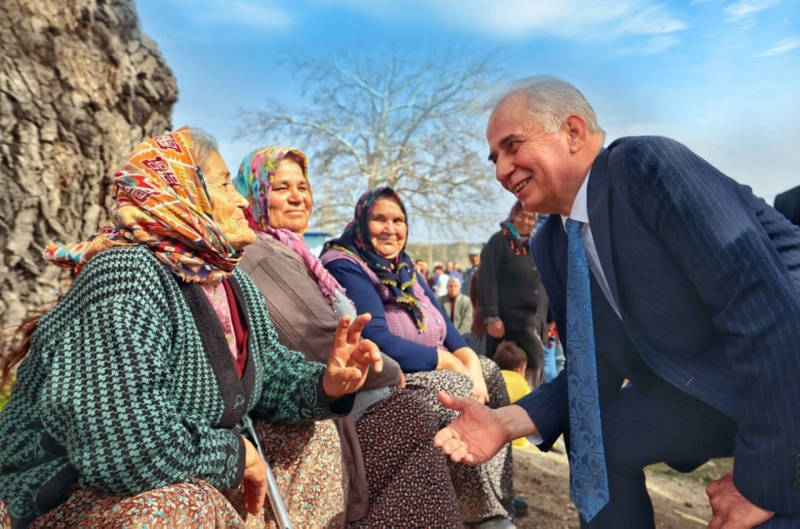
(732,510)
(479,432)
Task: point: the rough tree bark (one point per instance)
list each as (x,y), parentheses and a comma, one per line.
(80,86)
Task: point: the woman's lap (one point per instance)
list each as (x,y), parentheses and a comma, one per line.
(485,490)
(409,485)
(5,518)
(305,458)
(192,503)
(307,462)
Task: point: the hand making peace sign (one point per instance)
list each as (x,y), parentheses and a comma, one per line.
(350,358)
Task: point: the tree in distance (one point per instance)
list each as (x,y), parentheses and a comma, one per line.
(408,122)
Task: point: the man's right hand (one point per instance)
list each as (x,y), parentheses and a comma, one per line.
(475,436)
(480,432)
(255,478)
(496,329)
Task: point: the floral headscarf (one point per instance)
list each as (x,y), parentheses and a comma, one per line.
(161,202)
(398,274)
(254,181)
(517,241)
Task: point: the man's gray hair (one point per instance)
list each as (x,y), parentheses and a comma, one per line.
(204,145)
(454,279)
(550,102)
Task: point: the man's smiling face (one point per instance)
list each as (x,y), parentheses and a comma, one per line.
(530,162)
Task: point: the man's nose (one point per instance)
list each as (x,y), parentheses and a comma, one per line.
(504,169)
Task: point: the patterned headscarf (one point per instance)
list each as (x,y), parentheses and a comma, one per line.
(517,241)
(161,202)
(254,181)
(397,274)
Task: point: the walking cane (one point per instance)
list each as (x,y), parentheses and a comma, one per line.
(273,493)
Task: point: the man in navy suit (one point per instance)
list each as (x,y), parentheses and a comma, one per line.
(680,281)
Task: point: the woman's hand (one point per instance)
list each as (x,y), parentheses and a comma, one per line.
(350,358)
(496,329)
(450,362)
(255,478)
(480,391)
(473,364)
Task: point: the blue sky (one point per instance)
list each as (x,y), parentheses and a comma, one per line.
(721,76)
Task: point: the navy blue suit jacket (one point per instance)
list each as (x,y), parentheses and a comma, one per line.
(707,279)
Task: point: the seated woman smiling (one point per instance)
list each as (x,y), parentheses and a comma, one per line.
(370,262)
(396,479)
(128,407)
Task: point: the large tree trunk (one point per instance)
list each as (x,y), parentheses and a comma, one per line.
(80,86)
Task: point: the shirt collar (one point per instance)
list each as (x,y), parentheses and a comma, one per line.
(580,208)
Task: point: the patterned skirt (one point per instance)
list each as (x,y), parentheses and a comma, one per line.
(407,476)
(484,490)
(5,517)
(306,460)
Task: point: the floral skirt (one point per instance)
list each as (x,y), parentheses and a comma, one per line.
(306,460)
(5,518)
(409,485)
(484,490)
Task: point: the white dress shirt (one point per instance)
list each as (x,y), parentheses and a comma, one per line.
(580,212)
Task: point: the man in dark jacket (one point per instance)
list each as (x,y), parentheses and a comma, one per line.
(644,238)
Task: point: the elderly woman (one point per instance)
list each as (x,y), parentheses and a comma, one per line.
(512,299)
(396,479)
(408,324)
(128,407)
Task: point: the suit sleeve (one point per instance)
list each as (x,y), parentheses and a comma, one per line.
(548,405)
(710,226)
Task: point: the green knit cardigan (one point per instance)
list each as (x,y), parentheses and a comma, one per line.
(121,394)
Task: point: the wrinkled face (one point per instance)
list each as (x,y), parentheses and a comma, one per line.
(475,260)
(290,198)
(387,228)
(453,288)
(530,162)
(227,204)
(524,222)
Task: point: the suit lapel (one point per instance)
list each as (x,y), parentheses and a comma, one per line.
(600,220)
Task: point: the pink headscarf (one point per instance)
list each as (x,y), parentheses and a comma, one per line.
(254,181)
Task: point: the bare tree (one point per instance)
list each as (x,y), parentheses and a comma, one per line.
(401,121)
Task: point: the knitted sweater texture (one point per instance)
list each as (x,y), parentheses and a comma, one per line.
(120,393)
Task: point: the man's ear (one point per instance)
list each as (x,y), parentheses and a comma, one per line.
(575,127)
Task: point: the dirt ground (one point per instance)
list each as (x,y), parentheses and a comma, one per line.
(679,500)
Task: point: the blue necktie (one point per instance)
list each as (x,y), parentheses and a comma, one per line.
(588,482)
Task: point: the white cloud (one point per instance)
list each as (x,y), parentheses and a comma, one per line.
(743,9)
(659,44)
(650,20)
(587,19)
(783,46)
(253,13)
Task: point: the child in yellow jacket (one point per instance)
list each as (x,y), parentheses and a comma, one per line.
(512,362)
